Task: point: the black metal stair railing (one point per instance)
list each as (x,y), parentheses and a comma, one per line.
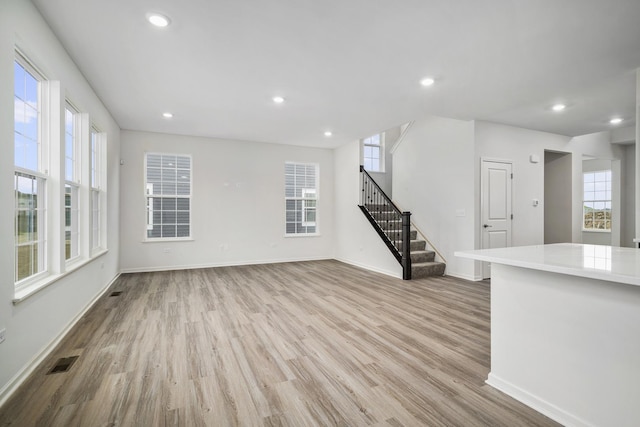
(392,225)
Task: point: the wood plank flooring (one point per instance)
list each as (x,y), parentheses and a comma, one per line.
(298,344)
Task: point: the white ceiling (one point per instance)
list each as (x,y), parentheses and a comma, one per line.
(353,66)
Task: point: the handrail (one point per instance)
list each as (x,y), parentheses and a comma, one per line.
(392,225)
(426,239)
(380,190)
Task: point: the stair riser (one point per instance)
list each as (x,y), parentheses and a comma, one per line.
(428,256)
(436,269)
(418,245)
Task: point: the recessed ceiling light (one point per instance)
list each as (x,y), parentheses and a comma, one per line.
(427,81)
(558,107)
(167,115)
(328,133)
(278,99)
(615,121)
(158,20)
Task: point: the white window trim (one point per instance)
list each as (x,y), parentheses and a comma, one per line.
(306,208)
(35,286)
(75,230)
(147,239)
(381,146)
(51,170)
(41,174)
(76,147)
(100,189)
(42,223)
(317,200)
(74,183)
(597,230)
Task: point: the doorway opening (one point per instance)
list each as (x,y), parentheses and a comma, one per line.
(557,197)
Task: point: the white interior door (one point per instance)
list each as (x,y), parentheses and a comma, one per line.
(496,207)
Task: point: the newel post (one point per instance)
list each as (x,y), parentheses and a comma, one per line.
(406,245)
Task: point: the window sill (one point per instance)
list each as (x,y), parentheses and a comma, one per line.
(170,240)
(303,235)
(32,288)
(596,231)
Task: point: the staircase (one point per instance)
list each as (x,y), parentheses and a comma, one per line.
(394,227)
(423,263)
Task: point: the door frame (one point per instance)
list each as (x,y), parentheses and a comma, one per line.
(485,265)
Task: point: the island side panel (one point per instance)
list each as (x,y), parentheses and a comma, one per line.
(567,346)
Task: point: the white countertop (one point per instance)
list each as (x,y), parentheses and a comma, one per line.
(609,263)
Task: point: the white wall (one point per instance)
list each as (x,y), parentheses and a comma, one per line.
(237,204)
(433,177)
(37,322)
(517,144)
(356,241)
(628,231)
(385,179)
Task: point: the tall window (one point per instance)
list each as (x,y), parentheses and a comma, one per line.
(301,198)
(30,174)
(168,193)
(373,153)
(72,183)
(597,201)
(96,189)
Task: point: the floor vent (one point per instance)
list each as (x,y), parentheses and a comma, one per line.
(116,294)
(63,365)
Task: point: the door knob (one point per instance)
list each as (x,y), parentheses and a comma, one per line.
(487,226)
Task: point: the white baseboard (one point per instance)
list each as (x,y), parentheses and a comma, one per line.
(17,380)
(464,276)
(540,405)
(218,264)
(232,264)
(370,268)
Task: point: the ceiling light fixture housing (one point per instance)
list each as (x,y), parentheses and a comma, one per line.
(158,20)
(328,133)
(558,107)
(615,121)
(427,81)
(278,99)
(167,115)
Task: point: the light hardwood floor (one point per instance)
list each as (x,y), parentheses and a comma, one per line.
(296,344)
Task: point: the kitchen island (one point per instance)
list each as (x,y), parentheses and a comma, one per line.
(565,330)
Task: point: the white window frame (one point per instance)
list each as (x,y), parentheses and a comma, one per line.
(596,200)
(97,190)
(150,196)
(308,200)
(72,231)
(39,176)
(309,204)
(40,240)
(368,142)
